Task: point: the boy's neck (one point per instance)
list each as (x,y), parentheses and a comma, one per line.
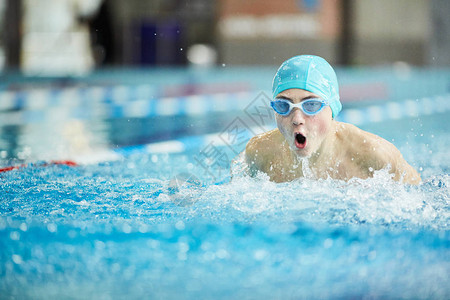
(324,155)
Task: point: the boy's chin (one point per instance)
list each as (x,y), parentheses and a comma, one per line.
(300,153)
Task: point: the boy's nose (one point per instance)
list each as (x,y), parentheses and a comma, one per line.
(298,117)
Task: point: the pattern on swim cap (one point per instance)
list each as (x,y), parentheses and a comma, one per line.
(311,73)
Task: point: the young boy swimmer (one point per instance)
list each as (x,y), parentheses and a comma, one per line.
(309,141)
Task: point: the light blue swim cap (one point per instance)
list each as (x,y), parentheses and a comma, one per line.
(311,73)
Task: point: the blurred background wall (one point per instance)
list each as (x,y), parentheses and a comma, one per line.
(77,75)
(75,36)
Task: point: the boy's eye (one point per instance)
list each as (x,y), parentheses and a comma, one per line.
(312,106)
(283,106)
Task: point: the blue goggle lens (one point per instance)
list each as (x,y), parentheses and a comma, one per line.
(309,107)
(312,106)
(281,107)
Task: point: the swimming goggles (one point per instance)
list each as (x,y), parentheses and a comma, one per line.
(310,106)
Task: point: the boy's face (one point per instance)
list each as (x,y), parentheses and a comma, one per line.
(304,134)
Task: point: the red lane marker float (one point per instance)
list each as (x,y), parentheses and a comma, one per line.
(6,169)
(54,162)
(63,162)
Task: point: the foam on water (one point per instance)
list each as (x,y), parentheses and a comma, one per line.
(117,191)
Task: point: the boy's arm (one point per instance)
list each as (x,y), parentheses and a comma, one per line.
(252,158)
(383,154)
(403,171)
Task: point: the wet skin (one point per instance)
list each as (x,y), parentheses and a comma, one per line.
(329,148)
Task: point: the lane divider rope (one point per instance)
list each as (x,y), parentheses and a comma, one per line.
(361,116)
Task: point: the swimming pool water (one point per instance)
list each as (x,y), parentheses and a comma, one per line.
(147,221)
(121,229)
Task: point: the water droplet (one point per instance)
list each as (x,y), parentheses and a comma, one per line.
(17,259)
(52,228)
(23,227)
(126,228)
(2,223)
(143,228)
(180,225)
(99,245)
(328,243)
(15,236)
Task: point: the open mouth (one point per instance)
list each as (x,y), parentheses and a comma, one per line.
(300,140)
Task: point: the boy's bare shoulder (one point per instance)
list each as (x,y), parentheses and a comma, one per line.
(263,143)
(374,150)
(261,149)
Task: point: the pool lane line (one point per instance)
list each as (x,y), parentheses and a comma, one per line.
(185,144)
(395,110)
(391,110)
(366,115)
(195,105)
(92,95)
(75,96)
(372,114)
(201,105)
(71,98)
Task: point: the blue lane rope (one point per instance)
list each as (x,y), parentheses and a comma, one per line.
(93,103)
(98,103)
(366,115)
(18,108)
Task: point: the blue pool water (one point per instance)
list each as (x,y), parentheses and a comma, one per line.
(121,227)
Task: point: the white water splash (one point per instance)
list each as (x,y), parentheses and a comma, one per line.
(374,201)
